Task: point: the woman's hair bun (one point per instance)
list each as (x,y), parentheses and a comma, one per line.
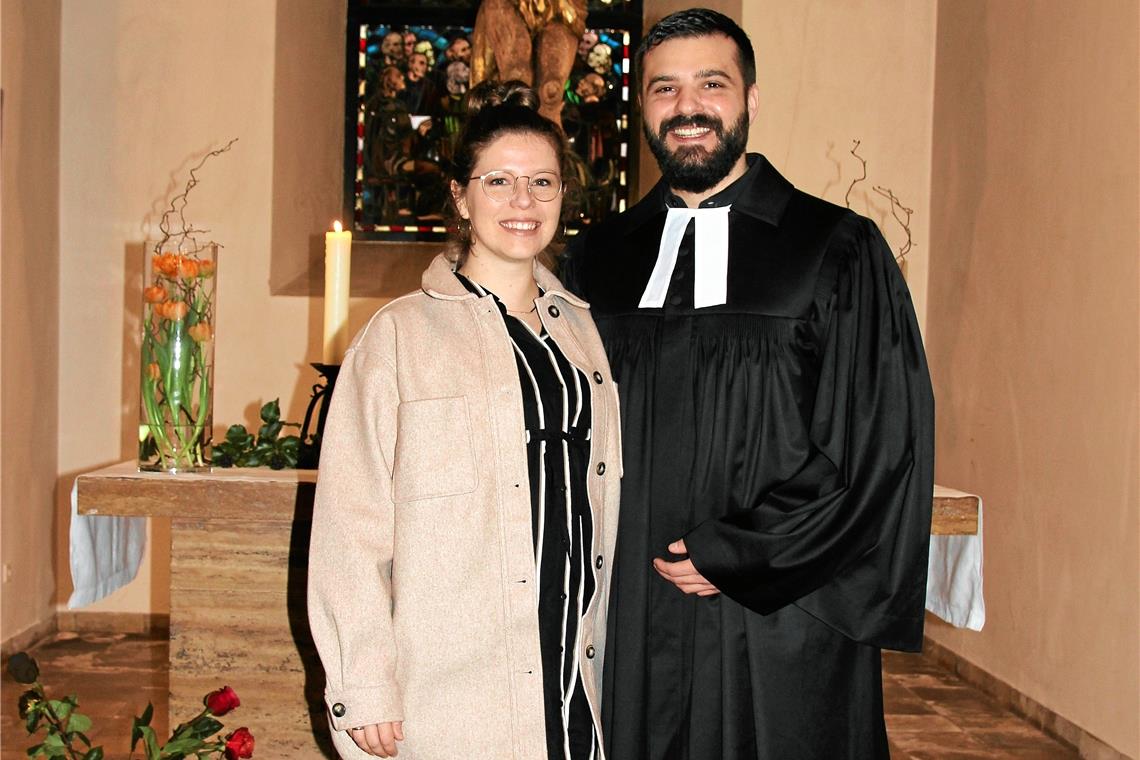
(494,93)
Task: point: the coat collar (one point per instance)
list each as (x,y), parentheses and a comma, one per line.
(765,195)
(439,281)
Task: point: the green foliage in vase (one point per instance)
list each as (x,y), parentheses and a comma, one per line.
(267,449)
(178,327)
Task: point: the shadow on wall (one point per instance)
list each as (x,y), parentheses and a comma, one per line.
(299,619)
(958,178)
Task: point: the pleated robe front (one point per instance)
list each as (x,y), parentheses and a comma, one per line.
(787,437)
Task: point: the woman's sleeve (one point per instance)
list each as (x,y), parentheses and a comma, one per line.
(846,538)
(350,552)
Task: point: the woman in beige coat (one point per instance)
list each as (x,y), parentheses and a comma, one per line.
(466,505)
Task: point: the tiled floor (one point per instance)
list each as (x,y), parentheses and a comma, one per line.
(930,712)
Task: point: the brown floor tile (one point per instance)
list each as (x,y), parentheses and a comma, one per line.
(899,725)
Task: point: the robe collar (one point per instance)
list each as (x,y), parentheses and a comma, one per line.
(762,192)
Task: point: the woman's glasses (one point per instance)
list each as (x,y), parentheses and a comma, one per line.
(500,185)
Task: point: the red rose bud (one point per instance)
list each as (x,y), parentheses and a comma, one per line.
(222,701)
(239,744)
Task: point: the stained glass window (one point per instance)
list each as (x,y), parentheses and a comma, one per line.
(408,73)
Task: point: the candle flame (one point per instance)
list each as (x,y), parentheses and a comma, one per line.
(337,226)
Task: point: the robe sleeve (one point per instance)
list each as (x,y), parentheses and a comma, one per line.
(846,538)
(350,550)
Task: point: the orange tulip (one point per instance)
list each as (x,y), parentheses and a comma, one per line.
(200,332)
(173,310)
(154,294)
(154,371)
(166,264)
(205,268)
(187,267)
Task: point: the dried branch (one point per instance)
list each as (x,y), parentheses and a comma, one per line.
(186,231)
(857,180)
(896,208)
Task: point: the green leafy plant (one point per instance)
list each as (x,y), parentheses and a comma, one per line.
(267,449)
(65,727)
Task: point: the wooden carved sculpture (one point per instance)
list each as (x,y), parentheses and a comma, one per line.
(534,41)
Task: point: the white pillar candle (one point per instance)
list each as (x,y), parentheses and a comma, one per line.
(338,262)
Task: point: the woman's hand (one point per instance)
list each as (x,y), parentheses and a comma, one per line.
(379,739)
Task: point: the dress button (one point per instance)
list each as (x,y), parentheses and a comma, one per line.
(601,468)
(598,377)
(553,311)
(598,562)
(339,710)
(590,652)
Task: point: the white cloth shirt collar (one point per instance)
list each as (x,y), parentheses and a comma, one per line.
(710,241)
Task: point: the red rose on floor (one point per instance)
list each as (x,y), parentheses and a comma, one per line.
(239,744)
(222,701)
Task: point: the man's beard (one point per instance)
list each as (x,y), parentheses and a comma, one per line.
(694,169)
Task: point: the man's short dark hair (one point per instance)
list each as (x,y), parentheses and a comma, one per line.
(700,22)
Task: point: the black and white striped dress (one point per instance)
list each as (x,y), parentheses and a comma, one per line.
(556,410)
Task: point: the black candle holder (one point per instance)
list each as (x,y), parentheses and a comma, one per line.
(309,456)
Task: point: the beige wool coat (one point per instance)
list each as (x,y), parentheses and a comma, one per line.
(422,593)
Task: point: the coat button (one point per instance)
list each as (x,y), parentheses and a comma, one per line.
(598,377)
(553,311)
(601,468)
(590,652)
(598,562)
(339,710)
(675,300)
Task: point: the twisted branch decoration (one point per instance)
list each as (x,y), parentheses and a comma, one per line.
(898,210)
(857,180)
(186,231)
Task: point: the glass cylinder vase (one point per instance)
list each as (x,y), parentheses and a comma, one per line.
(176,406)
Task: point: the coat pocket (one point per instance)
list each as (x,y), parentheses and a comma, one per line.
(434,455)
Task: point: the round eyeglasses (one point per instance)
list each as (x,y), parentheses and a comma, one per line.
(500,185)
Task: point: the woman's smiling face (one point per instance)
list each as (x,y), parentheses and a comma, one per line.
(522,227)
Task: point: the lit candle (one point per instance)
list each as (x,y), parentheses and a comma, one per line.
(338,261)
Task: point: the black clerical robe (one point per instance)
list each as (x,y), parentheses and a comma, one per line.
(787,436)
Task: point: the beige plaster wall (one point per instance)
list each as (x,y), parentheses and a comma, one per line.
(147,88)
(29,301)
(842,70)
(1034,341)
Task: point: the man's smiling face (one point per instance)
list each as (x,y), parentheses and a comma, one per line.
(696,108)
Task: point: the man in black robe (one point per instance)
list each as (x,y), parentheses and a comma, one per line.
(778,429)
